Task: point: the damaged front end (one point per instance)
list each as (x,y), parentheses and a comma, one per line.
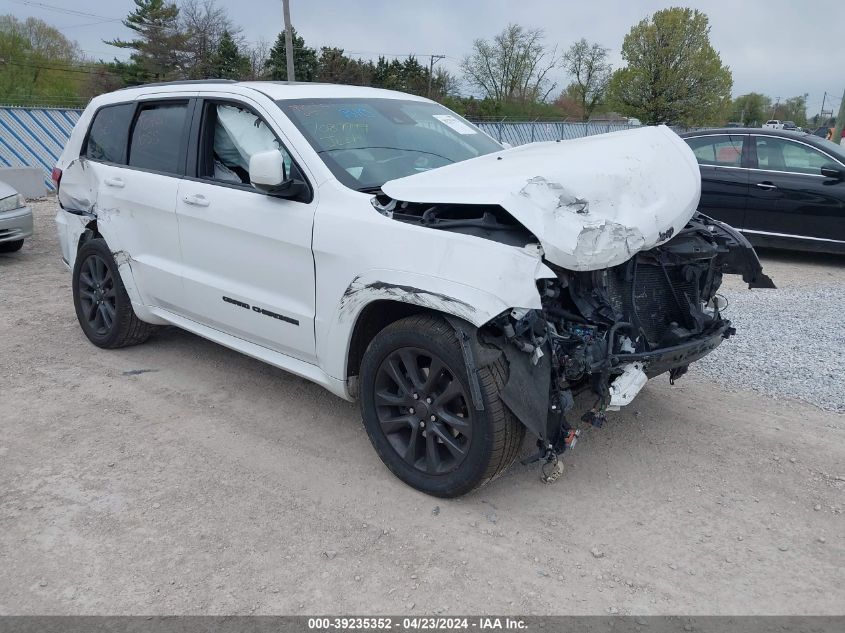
(606,332)
(634,270)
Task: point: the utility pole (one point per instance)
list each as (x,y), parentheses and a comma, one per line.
(840,120)
(775,109)
(821,112)
(432,59)
(288,40)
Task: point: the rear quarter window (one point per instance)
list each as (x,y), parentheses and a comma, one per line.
(109,134)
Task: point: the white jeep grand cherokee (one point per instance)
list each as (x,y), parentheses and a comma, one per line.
(380,245)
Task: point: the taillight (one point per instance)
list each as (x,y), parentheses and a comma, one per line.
(56,176)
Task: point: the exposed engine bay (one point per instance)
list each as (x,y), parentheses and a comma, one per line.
(604,332)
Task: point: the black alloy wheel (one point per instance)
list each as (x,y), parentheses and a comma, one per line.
(97,296)
(423,410)
(103,306)
(419,414)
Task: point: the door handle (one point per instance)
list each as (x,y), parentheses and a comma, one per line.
(114,182)
(196,199)
(766,185)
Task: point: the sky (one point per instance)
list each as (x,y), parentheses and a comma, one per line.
(777,47)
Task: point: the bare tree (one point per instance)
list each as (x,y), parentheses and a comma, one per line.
(258,54)
(513,67)
(204,23)
(587,63)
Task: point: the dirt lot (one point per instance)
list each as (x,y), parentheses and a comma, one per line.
(180,477)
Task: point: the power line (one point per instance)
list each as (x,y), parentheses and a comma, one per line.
(50,7)
(57,68)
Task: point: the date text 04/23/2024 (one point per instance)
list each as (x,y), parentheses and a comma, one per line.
(416,624)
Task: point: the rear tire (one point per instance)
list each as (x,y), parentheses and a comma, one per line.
(102,305)
(11,247)
(419,414)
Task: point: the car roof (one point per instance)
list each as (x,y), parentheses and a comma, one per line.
(276,90)
(805,137)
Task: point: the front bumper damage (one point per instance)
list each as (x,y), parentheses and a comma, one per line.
(605,332)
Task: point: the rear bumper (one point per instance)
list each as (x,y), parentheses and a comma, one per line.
(15,224)
(662,360)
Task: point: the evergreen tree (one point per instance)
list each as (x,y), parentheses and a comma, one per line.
(160,41)
(305,61)
(227,62)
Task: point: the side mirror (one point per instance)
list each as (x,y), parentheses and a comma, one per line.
(833,172)
(267,174)
(267,170)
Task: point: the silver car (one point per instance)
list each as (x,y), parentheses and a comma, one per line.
(15,219)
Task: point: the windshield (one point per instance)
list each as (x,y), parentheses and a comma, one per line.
(366,142)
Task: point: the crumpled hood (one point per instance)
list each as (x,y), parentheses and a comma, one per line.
(593,202)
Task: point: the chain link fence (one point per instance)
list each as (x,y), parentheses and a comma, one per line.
(522,132)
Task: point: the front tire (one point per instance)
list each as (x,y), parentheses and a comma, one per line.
(419,414)
(11,247)
(102,305)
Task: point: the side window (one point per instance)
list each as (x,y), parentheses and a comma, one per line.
(109,133)
(157,137)
(232,135)
(717,150)
(782,155)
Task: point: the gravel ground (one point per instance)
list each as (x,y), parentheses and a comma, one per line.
(790,342)
(180,477)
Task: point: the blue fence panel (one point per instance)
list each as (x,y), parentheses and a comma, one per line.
(35,137)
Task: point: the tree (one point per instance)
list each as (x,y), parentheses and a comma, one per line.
(305,61)
(38,64)
(443,84)
(388,74)
(259,55)
(569,103)
(160,42)
(673,74)
(793,109)
(227,62)
(203,24)
(514,67)
(752,109)
(587,63)
(337,68)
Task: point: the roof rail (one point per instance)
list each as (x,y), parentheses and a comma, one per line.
(180,82)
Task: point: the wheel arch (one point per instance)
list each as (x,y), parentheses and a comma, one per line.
(373,300)
(372,319)
(121,258)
